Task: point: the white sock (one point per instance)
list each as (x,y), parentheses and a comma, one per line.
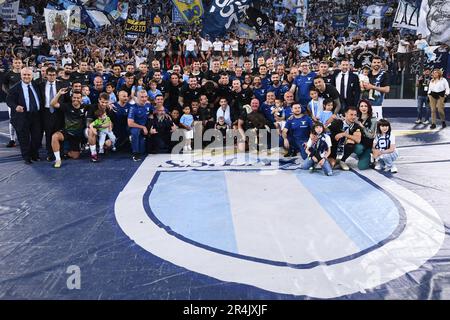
(93,150)
(57,156)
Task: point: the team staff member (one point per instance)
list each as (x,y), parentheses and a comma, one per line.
(137,120)
(23,100)
(52,119)
(296,132)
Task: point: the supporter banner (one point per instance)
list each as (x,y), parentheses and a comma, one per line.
(434,21)
(9,10)
(289,4)
(255,18)
(176,16)
(278,26)
(134,28)
(340,20)
(301,11)
(441,61)
(121,12)
(304,49)
(221,15)
(75,18)
(363,58)
(104,5)
(246,32)
(57,23)
(374,15)
(155,19)
(98,18)
(407,15)
(85,19)
(190,10)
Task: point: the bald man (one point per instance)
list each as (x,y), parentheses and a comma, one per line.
(24,101)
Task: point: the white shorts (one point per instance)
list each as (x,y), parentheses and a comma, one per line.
(189,134)
(377,111)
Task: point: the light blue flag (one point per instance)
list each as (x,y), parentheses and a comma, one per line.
(304,49)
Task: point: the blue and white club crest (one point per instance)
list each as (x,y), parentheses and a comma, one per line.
(279,229)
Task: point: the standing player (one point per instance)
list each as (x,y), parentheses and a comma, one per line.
(379,82)
(11,78)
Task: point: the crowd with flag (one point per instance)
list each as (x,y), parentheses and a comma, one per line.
(180,53)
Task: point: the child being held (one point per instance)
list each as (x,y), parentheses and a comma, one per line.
(318,149)
(103,125)
(384,150)
(278,114)
(222,127)
(327,116)
(364,78)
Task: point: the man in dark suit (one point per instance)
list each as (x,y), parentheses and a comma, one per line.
(24,101)
(347,84)
(52,119)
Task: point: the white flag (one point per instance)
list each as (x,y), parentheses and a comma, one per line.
(57,23)
(407,16)
(304,49)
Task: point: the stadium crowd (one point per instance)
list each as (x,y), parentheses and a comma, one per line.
(100,92)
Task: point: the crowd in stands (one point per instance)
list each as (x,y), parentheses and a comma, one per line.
(100,92)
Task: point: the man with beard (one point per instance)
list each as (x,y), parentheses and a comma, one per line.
(189,93)
(72,132)
(120,129)
(160,128)
(277,87)
(66,78)
(116,75)
(347,83)
(206,113)
(161,85)
(379,82)
(173,93)
(345,134)
(327,91)
(239,97)
(253,120)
